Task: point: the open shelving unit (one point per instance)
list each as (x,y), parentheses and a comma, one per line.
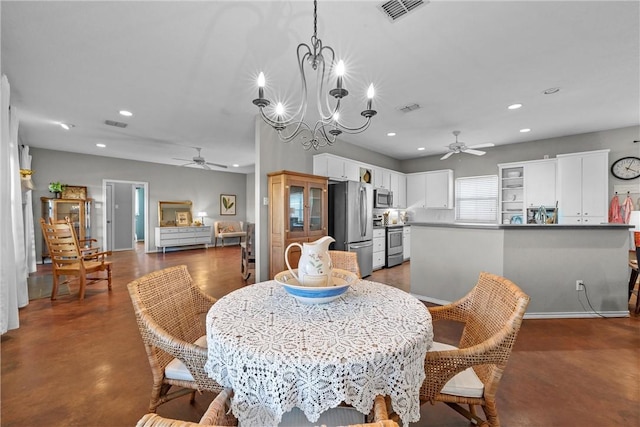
(512,208)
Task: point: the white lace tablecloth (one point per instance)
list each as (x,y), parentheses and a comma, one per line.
(277,353)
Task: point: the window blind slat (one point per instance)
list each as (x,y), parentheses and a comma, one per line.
(477,199)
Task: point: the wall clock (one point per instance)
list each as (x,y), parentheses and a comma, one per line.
(626,168)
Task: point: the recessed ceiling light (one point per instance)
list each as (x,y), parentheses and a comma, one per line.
(525,130)
(235,165)
(100,145)
(126,113)
(391,134)
(551,90)
(421,149)
(514,106)
(66,126)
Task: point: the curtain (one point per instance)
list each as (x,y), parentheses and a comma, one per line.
(13,268)
(27,207)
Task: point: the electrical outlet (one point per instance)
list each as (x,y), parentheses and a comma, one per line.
(579,285)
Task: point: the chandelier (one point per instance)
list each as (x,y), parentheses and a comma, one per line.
(329,126)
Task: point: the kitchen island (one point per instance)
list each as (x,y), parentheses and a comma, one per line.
(544,260)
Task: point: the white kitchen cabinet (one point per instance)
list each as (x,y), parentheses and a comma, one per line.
(336,168)
(439,186)
(583,187)
(540,183)
(406,242)
(378,248)
(416,189)
(432,190)
(401,197)
(382,178)
(343,169)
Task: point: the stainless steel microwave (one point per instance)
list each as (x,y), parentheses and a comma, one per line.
(382,198)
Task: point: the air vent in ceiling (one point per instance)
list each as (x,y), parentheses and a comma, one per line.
(116,124)
(396,9)
(408,108)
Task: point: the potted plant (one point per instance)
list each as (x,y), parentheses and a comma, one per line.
(56,188)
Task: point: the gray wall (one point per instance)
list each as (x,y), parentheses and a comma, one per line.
(619,141)
(166,182)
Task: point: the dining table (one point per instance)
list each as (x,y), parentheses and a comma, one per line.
(277,353)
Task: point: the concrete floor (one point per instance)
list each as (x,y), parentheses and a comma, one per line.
(82,363)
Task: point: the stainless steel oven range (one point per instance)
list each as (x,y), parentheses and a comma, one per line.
(394,249)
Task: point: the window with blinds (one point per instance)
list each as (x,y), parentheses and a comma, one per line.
(477,199)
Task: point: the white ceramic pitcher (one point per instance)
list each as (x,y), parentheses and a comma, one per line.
(314,267)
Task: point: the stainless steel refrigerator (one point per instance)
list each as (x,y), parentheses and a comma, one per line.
(351,221)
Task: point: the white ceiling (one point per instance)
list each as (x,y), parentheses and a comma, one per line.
(187,71)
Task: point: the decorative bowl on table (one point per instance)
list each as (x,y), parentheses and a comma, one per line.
(340,281)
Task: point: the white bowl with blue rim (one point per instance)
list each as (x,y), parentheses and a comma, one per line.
(340,282)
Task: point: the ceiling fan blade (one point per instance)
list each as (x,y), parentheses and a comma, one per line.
(183,160)
(205,166)
(446,156)
(188,164)
(217,165)
(485,145)
(474,152)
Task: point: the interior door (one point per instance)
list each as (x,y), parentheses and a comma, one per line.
(108,212)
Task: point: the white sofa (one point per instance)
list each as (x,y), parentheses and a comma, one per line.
(226,229)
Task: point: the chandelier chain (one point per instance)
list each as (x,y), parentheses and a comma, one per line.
(315,19)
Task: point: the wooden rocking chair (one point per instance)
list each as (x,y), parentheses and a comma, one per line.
(68,260)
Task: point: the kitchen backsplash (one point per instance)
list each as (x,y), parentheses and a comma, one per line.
(430,215)
(417,215)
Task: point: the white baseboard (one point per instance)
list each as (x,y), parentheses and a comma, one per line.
(576,315)
(550,315)
(431,300)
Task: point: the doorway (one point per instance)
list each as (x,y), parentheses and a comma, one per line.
(126,218)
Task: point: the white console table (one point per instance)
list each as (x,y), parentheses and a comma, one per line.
(182,236)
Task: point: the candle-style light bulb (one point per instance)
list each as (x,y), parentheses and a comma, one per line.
(279,110)
(370,94)
(340,72)
(261,83)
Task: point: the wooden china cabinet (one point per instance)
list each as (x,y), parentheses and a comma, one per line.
(78,211)
(298,213)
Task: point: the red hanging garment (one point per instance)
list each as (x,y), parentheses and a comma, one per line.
(627,207)
(614,211)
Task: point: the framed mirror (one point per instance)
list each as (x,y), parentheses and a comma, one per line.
(175,213)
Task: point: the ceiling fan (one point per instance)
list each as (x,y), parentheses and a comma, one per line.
(461,147)
(200,161)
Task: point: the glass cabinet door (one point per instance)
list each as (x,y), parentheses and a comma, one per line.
(315,208)
(73,210)
(296,208)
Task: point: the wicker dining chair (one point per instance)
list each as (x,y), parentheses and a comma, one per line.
(218,415)
(470,373)
(346,261)
(169,309)
(67,259)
